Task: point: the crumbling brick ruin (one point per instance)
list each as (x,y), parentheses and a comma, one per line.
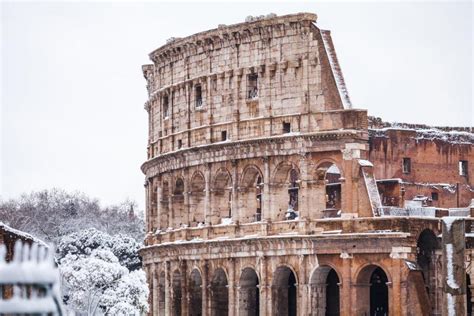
(263,191)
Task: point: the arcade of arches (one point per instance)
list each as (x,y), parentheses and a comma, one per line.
(249,191)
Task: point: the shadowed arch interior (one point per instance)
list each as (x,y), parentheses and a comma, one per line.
(284,291)
(176,294)
(249,293)
(195,293)
(221,195)
(219,294)
(251,195)
(196,199)
(372,291)
(325,298)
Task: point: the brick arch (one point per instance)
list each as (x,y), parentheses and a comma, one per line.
(322,165)
(198,182)
(222,179)
(249,175)
(282,171)
(365,288)
(249,292)
(178,187)
(285,290)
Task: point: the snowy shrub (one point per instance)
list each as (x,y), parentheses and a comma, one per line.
(97,282)
(82,243)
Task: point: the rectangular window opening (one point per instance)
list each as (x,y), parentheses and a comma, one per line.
(180,143)
(463,168)
(252,86)
(198,96)
(286,127)
(434,196)
(224,135)
(165,106)
(406,165)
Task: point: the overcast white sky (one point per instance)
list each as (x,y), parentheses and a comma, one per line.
(72,91)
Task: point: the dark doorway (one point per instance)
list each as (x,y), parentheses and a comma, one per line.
(219,294)
(195,294)
(378,293)
(284,290)
(332,294)
(176,304)
(249,301)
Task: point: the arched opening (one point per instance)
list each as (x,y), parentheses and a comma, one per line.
(284,292)
(249,293)
(221,196)
(426,245)
(468,295)
(196,199)
(378,293)
(164,203)
(161,294)
(178,203)
(372,291)
(195,293)
(285,183)
(251,195)
(176,294)
(330,174)
(219,294)
(325,299)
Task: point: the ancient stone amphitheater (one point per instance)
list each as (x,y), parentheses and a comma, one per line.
(261,199)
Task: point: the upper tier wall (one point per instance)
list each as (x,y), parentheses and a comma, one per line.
(255,79)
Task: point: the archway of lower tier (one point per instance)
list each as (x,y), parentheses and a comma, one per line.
(284,292)
(249,293)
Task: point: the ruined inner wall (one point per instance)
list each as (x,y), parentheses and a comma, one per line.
(434,162)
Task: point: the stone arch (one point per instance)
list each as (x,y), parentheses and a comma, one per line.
(285,182)
(249,293)
(251,194)
(219,293)
(329,174)
(373,293)
(324,291)
(197,198)
(221,195)
(285,291)
(161,293)
(195,293)
(177,205)
(176,287)
(426,245)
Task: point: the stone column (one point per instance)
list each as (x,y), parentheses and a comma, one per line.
(170,205)
(206,306)
(186,193)
(263,286)
(159,197)
(207,201)
(232,288)
(155,294)
(266,210)
(235,198)
(454,271)
(304,206)
(147,205)
(345,290)
(168,289)
(184,288)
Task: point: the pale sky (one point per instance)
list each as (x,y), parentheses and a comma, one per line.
(72,91)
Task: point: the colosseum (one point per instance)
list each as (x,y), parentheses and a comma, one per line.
(269,194)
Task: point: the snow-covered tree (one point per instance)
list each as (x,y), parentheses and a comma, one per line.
(87,278)
(97,282)
(82,243)
(51,214)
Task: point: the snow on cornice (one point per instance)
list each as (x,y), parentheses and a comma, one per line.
(21,234)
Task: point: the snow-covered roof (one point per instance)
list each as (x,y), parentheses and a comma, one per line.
(21,234)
